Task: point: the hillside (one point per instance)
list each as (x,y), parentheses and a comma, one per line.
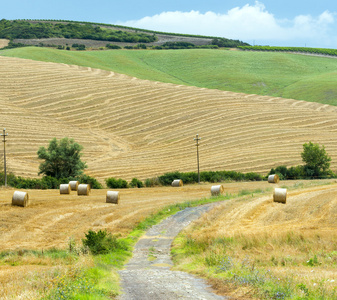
(51,33)
(137,128)
(286,75)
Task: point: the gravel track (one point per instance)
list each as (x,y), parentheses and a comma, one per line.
(148,274)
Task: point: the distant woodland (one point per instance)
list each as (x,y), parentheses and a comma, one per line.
(19,29)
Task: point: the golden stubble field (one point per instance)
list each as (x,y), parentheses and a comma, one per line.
(136,128)
(52,219)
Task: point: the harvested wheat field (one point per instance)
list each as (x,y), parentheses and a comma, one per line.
(136,128)
(52,219)
(296,241)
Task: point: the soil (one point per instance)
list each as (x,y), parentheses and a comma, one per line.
(3,43)
(148,274)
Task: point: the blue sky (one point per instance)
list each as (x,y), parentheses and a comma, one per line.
(266,22)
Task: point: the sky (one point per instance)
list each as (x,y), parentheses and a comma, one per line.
(267,22)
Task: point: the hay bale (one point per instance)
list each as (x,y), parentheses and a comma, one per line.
(217,190)
(273,178)
(83,190)
(177,183)
(74,185)
(20,199)
(112,197)
(280,195)
(65,189)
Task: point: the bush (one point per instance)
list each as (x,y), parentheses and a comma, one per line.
(101,242)
(94,184)
(116,183)
(46,182)
(151,182)
(207,176)
(136,183)
(111,46)
(167,178)
(298,172)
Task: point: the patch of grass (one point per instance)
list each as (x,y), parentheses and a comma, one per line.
(285,75)
(241,261)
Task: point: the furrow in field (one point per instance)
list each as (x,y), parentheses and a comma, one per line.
(137,128)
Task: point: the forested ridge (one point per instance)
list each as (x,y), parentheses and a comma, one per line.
(19,29)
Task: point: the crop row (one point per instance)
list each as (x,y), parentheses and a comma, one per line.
(322,51)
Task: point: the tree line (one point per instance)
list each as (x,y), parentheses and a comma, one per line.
(18,29)
(62,163)
(322,51)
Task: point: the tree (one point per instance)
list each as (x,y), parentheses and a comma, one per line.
(317,161)
(62,159)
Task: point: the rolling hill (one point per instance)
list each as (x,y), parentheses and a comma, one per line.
(137,128)
(286,75)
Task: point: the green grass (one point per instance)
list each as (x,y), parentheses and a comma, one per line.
(285,75)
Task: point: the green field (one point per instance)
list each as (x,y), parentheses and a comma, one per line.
(286,75)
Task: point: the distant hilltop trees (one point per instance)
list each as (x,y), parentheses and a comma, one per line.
(44,29)
(19,29)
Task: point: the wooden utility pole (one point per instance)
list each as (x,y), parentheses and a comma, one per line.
(4,141)
(197,139)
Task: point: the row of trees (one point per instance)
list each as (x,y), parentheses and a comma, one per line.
(316,165)
(62,162)
(322,51)
(27,30)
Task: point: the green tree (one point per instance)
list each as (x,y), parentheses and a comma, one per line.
(317,161)
(62,159)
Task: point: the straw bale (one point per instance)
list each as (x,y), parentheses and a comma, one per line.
(112,197)
(273,178)
(280,195)
(177,183)
(20,199)
(74,185)
(83,190)
(217,190)
(65,188)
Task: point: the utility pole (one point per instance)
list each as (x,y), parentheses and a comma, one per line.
(197,139)
(4,141)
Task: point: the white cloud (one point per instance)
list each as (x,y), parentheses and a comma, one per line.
(247,23)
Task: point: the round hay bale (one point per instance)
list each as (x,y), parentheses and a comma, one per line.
(65,189)
(280,195)
(273,178)
(83,189)
(217,190)
(74,185)
(20,199)
(177,183)
(112,197)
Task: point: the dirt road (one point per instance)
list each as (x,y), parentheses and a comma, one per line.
(148,274)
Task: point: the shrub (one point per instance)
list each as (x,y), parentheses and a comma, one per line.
(112,46)
(136,183)
(46,182)
(167,178)
(94,183)
(116,183)
(151,182)
(102,242)
(253,176)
